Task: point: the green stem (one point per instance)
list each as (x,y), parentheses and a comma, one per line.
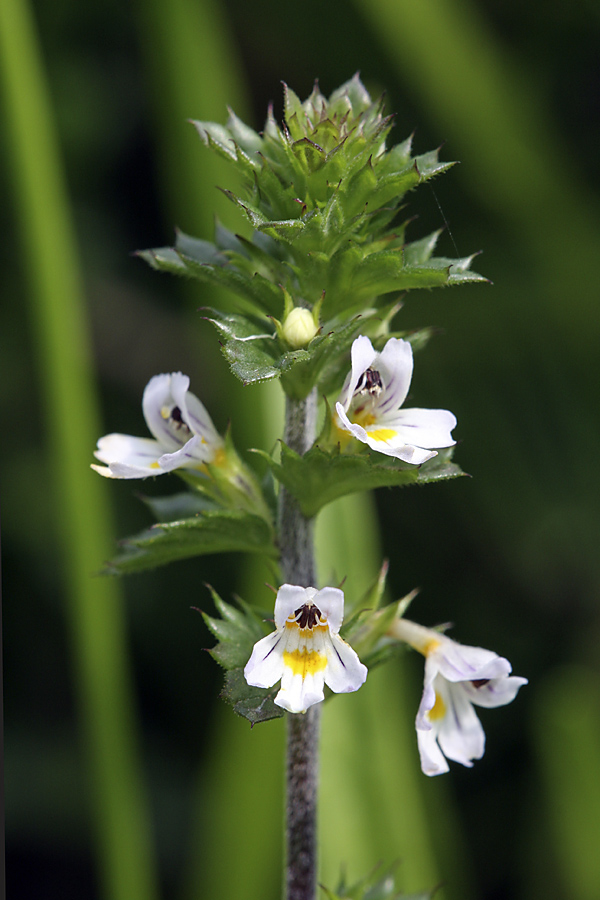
(298,567)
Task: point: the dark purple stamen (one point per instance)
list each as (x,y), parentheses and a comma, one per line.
(307,616)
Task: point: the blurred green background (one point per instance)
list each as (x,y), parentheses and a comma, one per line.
(125,775)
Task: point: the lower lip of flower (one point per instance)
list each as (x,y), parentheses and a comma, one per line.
(438,710)
(303,662)
(364,418)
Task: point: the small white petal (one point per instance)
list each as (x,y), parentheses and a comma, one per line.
(460,735)
(427,700)
(331,603)
(302,681)
(290,597)
(433,761)
(395,365)
(298,694)
(157,404)
(362,355)
(459,662)
(428,428)
(384,439)
(345,672)
(127,456)
(193,454)
(395,445)
(265,666)
(496,692)
(196,418)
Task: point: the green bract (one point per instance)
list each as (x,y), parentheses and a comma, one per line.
(314,288)
(236,631)
(324,196)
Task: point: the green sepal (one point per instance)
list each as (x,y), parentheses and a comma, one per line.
(368,632)
(209,531)
(319,477)
(370,601)
(237,631)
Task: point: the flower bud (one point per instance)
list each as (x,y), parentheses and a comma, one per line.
(299,328)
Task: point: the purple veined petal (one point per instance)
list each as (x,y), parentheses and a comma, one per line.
(355,430)
(433,761)
(265,666)
(163,413)
(383,439)
(427,428)
(395,445)
(331,603)
(345,672)
(193,454)
(303,677)
(395,365)
(127,456)
(362,354)
(290,597)
(193,412)
(459,662)
(460,733)
(427,700)
(495,692)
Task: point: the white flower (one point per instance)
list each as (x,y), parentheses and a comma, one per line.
(369,405)
(457,677)
(184,435)
(305,651)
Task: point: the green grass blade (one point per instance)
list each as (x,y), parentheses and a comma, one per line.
(93,606)
(567,742)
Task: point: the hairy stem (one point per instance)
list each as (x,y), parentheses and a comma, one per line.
(298,567)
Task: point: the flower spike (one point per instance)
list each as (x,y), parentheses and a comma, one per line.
(305,651)
(457,678)
(369,410)
(184,435)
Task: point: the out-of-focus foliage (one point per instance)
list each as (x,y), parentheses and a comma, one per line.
(512,89)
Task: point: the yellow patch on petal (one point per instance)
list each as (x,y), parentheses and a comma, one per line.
(304,663)
(154,465)
(382,434)
(165,412)
(363,418)
(438,710)
(429,647)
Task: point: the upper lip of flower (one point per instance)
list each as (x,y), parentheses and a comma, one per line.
(305,651)
(183,434)
(369,405)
